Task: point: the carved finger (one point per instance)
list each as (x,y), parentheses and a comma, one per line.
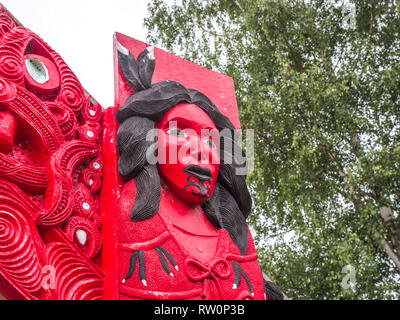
(132,265)
(238,277)
(142,267)
(169,257)
(163,261)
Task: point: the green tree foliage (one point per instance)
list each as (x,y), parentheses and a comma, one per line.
(323,96)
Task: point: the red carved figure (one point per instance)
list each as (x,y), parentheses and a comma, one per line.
(182,217)
(144,200)
(49,134)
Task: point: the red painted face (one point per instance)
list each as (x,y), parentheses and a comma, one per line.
(188,152)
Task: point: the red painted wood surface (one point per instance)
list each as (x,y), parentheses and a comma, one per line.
(218,87)
(179,227)
(65,227)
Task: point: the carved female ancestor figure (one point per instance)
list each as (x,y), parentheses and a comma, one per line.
(73,228)
(187,231)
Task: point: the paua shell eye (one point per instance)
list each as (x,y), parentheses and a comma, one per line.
(211,144)
(37,70)
(41,75)
(177,132)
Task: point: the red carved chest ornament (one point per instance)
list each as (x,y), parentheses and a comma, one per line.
(83,214)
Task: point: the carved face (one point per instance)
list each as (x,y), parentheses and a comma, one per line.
(188,152)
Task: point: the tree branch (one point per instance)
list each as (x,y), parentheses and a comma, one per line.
(390,225)
(388,250)
(238,4)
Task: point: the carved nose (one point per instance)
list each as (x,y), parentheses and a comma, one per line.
(196,151)
(200,155)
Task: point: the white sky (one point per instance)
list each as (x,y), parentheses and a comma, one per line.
(81,31)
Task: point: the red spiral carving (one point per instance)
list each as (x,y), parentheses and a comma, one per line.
(6,24)
(11,68)
(84,203)
(75,279)
(96,164)
(94,241)
(91,179)
(48,122)
(65,117)
(92,113)
(12,46)
(34,115)
(19,256)
(71,93)
(29,178)
(7,90)
(62,165)
(90,132)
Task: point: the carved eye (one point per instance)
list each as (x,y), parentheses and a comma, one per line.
(41,75)
(177,132)
(211,144)
(37,70)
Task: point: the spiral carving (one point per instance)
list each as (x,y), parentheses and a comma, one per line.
(91,113)
(84,203)
(65,117)
(32,112)
(7,90)
(64,129)
(12,46)
(62,165)
(75,279)
(91,179)
(19,256)
(90,132)
(11,68)
(6,24)
(94,241)
(29,178)
(71,92)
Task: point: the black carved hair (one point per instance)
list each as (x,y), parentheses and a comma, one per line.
(230,203)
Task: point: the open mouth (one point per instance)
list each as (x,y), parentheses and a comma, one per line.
(203,174)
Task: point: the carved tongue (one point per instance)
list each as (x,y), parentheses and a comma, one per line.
(82,236)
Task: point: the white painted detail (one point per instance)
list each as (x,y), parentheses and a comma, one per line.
(92,112)
(37,70)
(122,49)
(96,165)
(150,53)
(82,236)
(144,283)
(90,134)
(86,206)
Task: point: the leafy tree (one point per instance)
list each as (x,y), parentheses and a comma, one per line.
(322,92)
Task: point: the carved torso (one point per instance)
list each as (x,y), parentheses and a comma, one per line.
(202,272)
